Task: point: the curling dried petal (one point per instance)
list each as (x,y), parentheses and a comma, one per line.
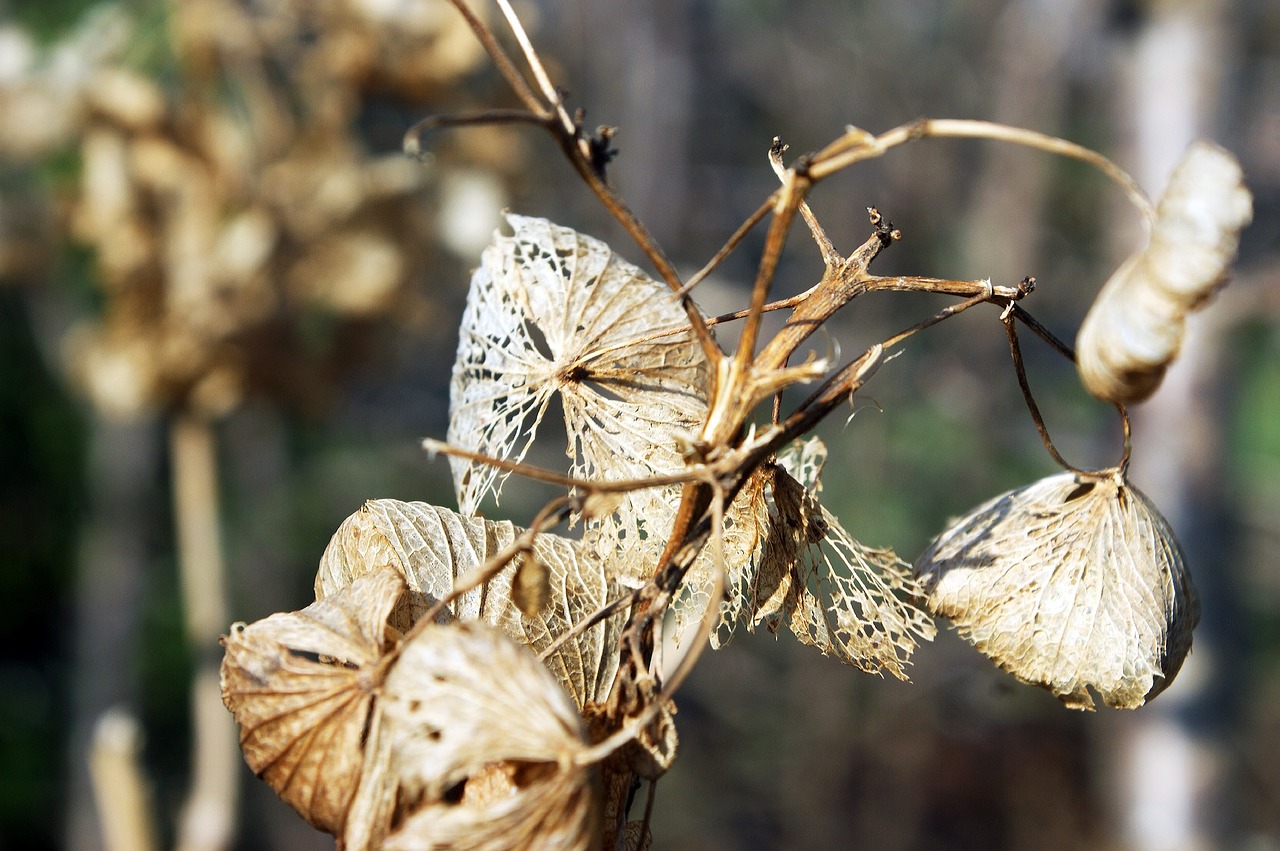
(1134,329)
(1070,584)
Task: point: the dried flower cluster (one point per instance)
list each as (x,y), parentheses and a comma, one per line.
(1071,583)
(461,682)
(236,200)
(1135,327)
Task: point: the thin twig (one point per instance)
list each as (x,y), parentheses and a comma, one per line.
(793,188)
(710,617)
(1017,312)
(1022,315)
(549,93)
(553,514)
(830,257)
(1016,352)
(857,145)
(725,250)
(580,154)
(498,54)
(585,624)
(541,474)
(412,141)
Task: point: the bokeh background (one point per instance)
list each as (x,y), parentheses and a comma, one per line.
(227,314)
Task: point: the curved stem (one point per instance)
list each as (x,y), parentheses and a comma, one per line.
(412,140)
(857,145)
(710,617)
(1015,351)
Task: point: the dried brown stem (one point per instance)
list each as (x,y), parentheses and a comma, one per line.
(829,254)
(710,617)
(412,142)
(734,241)
(857,145)
(580,154)
(1015,350)
(498,54)
(210,810)
(124,802)
(793,189)
(541,474)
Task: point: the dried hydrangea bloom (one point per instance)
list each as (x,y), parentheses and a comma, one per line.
(456,737)
(302,688)
(432,547)
(483,746)
(1135,327)
(1072,584)
(552,313)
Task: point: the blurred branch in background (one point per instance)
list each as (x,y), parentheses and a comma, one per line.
(1172,767)
(251,228)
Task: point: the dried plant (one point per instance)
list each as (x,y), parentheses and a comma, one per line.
(231,207)
(690,502)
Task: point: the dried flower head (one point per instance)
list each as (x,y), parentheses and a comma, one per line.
(554,313)
(1071,583)
(457,735)
(1134,329)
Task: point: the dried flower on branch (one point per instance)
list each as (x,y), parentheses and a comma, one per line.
(690,503)
(456,734)
(1072,583)
(1134,329)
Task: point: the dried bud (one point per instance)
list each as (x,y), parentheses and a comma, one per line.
(1071,584)
(1134,329)
(531,587)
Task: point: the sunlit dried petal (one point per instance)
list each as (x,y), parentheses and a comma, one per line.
(834,593)
(1071,584)
(483,743)
(1135,327)
(552,312)
(301,689)
(432,547)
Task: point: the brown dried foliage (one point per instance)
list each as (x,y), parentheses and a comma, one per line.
(688,504)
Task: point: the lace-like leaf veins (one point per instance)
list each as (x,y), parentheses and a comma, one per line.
(553,312)
(482,742)
(834,593)
(433,547)
(301,686)
(1069,584)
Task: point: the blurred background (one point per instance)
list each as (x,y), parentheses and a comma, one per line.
(228,310)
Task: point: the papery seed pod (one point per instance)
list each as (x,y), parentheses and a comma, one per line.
(1072,583)
(1134,329)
